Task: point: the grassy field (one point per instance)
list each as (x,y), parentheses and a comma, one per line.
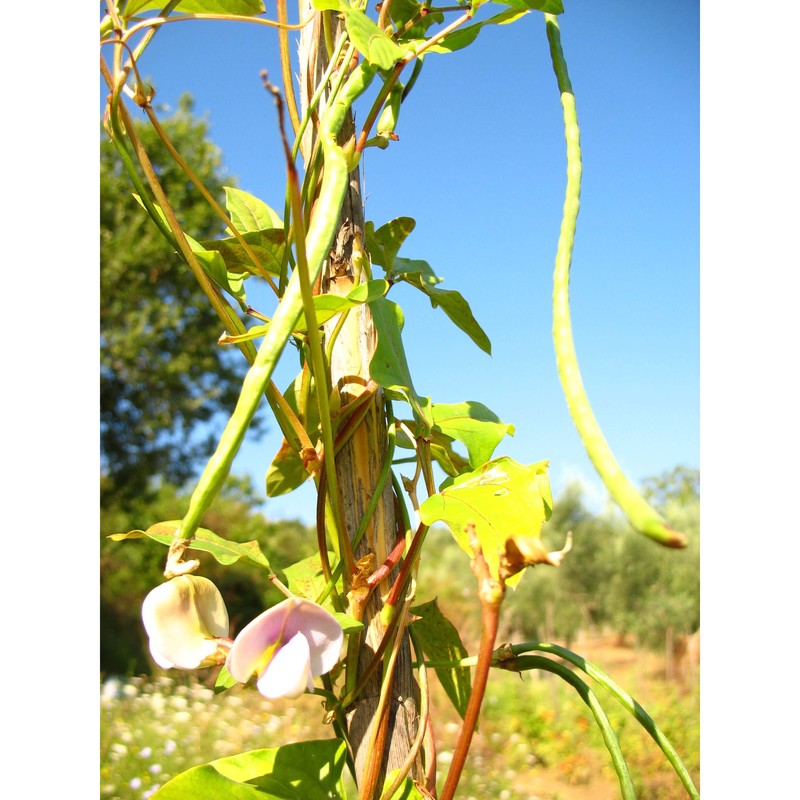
(537,740)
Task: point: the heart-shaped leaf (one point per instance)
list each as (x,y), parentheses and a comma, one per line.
(500,499)
(249,213)
(377,48)
(310,770)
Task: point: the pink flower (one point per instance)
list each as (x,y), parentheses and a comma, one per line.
(286,647)
(187,623)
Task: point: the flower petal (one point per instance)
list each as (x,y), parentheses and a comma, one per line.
(177,616)
(288,674)
(256,640)
(323,631)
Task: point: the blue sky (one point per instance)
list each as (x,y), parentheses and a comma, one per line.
(480,165)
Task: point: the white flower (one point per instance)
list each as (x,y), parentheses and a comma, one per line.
(286,647)
(187,623)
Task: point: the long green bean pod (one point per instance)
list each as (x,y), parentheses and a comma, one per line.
(321,231)
(640,514)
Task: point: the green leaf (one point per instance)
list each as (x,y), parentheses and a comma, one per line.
(248,213)
(406,791)
(224,551)
(212,264)
(383,244)
(420,275)
(403,11)
(440,642)
(329,305)
(308,770)
(326,5)
(267,246)
(463,37)
(545,6)
(501,499)
(224,680)
(449,460)
(349,625)
(287,471)
(376,46)
(473,424)
(242,8)
(389,366)
(305,578)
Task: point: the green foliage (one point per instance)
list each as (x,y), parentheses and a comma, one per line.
(501,499)
(441,642)
(311,770)
(163,378)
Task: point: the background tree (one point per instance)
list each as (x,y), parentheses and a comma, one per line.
(162,375)
(650,593)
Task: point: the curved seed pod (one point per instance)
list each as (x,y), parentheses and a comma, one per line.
(640,514)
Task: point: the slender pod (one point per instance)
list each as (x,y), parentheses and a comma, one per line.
(321,231)
(640,514)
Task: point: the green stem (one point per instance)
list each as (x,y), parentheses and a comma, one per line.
(590,698)
(640,514)
(625,700)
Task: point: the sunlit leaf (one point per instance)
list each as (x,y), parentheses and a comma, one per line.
(441,642)
(224,681)
(402,12)
(349,625)
(420,275)
(376,46)
(389,366)
(501,499)
(329,305)
(310,770)
(472,423)
(326,5)
(212,263)
(406,791)
(287,470)
(248,213)
(224,551)
(306,579)
(243,8)
(463,37)
(545,6)
(383,243)
(266,245)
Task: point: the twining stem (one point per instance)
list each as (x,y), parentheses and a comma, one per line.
(155,21)
(490,593)
(640,514)
(210,199)
(319,367)
(290,426)
(286,65)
